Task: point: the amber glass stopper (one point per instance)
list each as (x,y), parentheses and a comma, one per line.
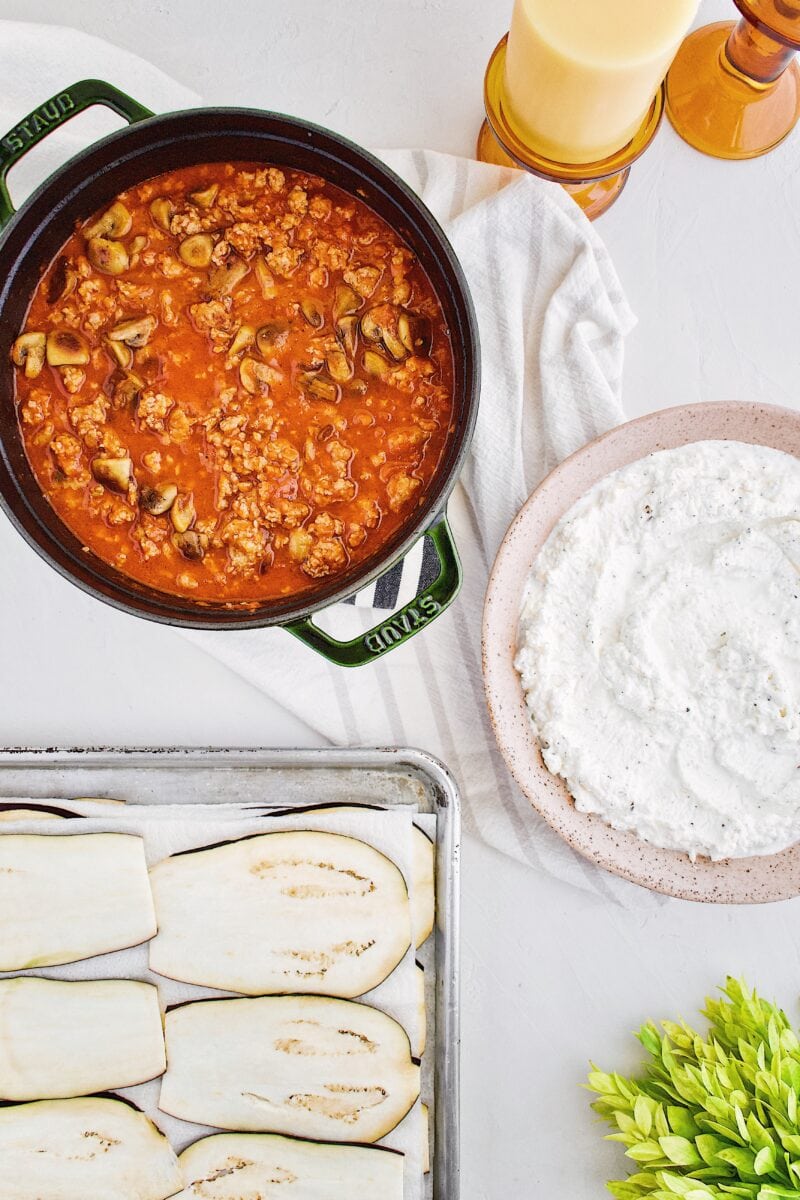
(733,90)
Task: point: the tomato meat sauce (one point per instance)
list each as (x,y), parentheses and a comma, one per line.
(234,381)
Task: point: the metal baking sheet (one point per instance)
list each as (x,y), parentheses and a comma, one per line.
(393,777)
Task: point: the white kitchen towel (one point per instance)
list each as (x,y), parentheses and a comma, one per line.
(552,320)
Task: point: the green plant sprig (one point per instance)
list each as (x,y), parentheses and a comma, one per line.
(710,1117)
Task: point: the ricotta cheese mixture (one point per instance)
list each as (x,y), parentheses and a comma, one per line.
(659,649)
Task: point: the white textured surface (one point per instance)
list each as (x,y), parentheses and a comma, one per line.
(707,253)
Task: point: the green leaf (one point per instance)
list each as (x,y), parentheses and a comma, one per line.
(622,1190)
(661,1122)
(643,1114)
(773,1036)
(731,1135)
(644,1152)
(650,1038)
(644,1179)
(716,1174)
(765,1160)
(740,1158)
(759,1137)
(681,1151)
(599,1082)
(679,1185)
(741,1123)
(681,1121)
(721,1109)
(709,1146)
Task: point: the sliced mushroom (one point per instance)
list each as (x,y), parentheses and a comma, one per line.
(206,197)
(66,348)
(225,278)
(162,211)
(115,222)
(320,387)
(29,352)
(255,376)
(196,250)
(339,366)
(138,244)
(347,333)
(183,512)
(266,280)
(191,544)
(127,390)
(272,337)
(114,473)
(394,345)
(312,313)
(415,332)
(244,337)
(345,301)
(108,257)
(121,353)
(63,281)
(158,499)
(375,364)
(379,324)
(135,332)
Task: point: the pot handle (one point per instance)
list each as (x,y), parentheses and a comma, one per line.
(403,624)
(54,112)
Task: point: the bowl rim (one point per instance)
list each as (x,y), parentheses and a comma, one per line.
(101,580)
(757,879)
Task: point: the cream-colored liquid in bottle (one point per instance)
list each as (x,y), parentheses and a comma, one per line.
(581,74)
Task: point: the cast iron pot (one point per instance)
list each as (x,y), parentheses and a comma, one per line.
(149,146)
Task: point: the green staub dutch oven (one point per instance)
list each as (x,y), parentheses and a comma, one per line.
(148,146)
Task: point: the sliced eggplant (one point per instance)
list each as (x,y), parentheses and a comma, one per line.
(63,898)
(426,1138)
(62,1039)
(307,1066)
(422,1014)
(281,912)
(87,1149)
(243,1166)
(423,886)
(33,812)
(97,800)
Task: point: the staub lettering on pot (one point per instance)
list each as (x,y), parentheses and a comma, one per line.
(403,624)
(38,122)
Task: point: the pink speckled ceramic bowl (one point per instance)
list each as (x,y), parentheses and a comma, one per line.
(730,881)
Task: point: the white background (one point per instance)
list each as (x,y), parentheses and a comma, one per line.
(707,253)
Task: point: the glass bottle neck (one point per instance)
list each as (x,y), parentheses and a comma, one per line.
(756,54)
